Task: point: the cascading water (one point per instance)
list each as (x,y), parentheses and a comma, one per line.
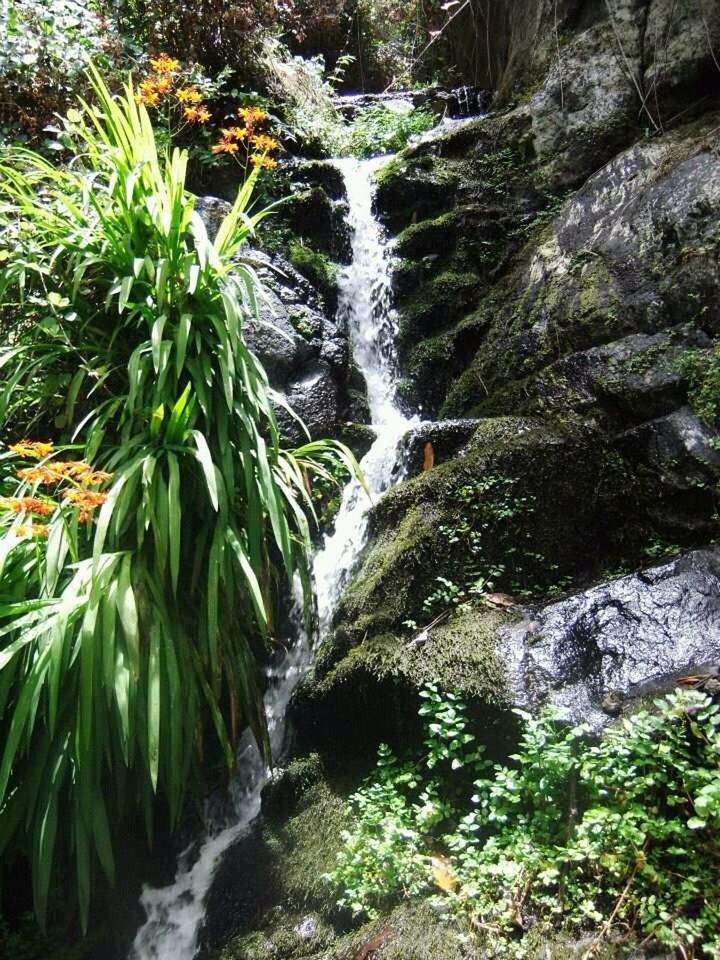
(175,913)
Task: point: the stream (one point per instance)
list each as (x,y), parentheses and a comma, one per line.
(175,913)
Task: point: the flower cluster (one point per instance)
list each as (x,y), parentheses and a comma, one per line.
(257,145)
(73,481)
(162,87)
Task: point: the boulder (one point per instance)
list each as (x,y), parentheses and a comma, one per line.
(313,395)
(621,640)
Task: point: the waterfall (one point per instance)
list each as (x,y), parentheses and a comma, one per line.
(175,913)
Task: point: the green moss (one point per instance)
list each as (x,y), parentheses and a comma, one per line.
(461,654)
(438,303)
(430,236)
(317,268)
(302,852)
(415,931)
(538,515)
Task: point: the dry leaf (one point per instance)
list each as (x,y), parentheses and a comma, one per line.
(500,600)
(429,457)
(443,873)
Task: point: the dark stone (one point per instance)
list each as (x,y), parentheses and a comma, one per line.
(313,395)
(212,211)
(446,436)
(618,641)
(285,788)
(315,217)
(464,101)
(320,173)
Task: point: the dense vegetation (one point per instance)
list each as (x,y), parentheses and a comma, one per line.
(121,604)
(573,834)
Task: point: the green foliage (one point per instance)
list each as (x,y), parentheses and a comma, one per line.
(487,501)
(702,370)
(45,48)
(576,834)
(127,655)
(378,129)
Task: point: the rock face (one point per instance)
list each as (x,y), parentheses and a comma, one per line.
(618,641)
(305,354)
(558,266)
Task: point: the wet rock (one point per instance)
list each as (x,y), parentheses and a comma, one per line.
(447,438)
(463,101)
(319,173)
(271,882)
(313,395)
(281,794)
(305,353)
(402,101)
(679,447)
(524,486)
(587,107)
(314,216)
(274,340)
(629,253)
(212,211)
(618,641)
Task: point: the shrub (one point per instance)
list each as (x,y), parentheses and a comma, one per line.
(378,129)
(45,48)
(128,646)
(574,834)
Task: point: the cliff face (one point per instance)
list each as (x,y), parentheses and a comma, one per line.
(558,286)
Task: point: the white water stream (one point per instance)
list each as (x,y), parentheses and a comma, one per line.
(175,913)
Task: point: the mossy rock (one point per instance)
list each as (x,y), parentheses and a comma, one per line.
(323,174)
(545,517)
(273,877)
(436,305)
(371,694)
(319,269)
(314,217)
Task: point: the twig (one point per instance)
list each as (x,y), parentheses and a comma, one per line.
(609,922)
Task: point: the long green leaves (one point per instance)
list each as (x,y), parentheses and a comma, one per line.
(129,654)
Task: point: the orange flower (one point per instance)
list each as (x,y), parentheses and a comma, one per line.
(252,115)
(264,143)
(32,530)
(57,470)
(164,64)
(93,477)
(234,133)
(47,475)
(43,508)
(148,94)
(260,160)
(163,84)
(188,95)
(86,499)
(32,449)
(227,146)
(196,114)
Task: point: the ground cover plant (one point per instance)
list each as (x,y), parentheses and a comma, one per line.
(616,835)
